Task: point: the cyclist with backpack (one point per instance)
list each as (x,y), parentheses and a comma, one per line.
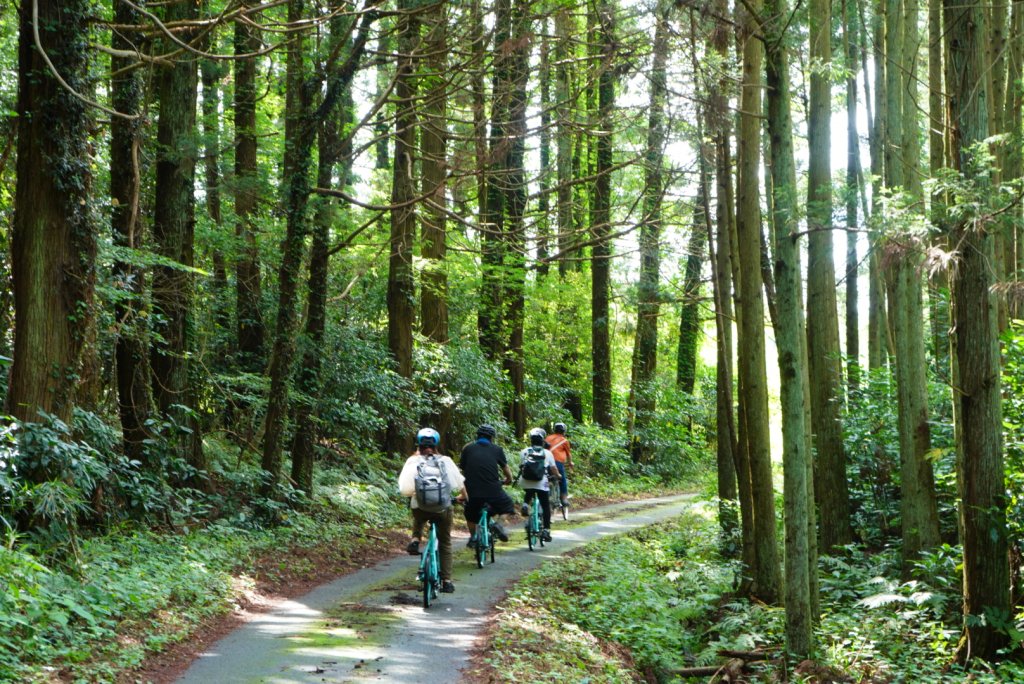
(559,445)
(428,479)
(486,469)
(536,469)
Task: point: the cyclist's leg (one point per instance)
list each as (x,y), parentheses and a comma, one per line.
(528,495)
(500,507)
(443,525)
(419,519)
(472,513)
(563,483)
(545,507)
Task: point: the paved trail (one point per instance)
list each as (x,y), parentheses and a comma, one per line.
(371,626)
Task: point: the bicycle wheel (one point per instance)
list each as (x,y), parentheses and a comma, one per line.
(529,532)
(429,573)
(482,541)
(491,547)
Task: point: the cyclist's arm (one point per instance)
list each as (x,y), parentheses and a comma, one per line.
(508,473)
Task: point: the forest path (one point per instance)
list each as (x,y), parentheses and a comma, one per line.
(371,626)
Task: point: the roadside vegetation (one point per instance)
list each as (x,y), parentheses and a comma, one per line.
(90,605)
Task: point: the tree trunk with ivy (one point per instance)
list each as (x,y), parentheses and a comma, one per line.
(134,397)
(173,237)
(250,328)
(53,247)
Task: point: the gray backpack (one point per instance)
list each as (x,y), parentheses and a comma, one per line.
(433,490)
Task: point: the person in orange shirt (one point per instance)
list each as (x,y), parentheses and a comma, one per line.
(560,448)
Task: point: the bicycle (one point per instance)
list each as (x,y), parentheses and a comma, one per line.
(485,537)
(564,508)
(429,574)
(534,533)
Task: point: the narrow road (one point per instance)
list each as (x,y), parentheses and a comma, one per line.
(371,626)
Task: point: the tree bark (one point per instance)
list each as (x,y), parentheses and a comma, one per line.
(766,580)
(53,249)
(986,578)
(788,333)
(248,310)
(601,252)
(852,46)
(134,398)
(173,235)
(645,354)
(822,318)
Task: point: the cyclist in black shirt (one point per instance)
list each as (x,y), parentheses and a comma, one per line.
(486,469)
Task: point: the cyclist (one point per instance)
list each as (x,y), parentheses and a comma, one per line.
(427,441)
(486,470)
(534,487)
(559,445)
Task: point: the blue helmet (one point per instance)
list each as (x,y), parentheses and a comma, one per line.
(428,437)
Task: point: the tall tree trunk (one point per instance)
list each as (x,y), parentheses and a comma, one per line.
(689,318)
(645,355)
(918,506)
(401,287)
(134,399)
(1014,165)
(721,267)
(986,580)
(796,457)
(211,72)
(938,293)
(493,229)
(173,235)
(877,324)
(822,318)
(53,250)
(515,208)
(766,580)
(301,123)
(543,230)
(601,252)
(434,139)
(566,131)
(248,309)
(851,43)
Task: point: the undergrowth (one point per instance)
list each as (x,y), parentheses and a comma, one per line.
(648,603)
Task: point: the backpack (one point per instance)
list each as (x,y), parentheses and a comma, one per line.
(533,468)
(433,491)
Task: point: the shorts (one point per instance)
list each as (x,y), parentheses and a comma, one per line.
(499,505)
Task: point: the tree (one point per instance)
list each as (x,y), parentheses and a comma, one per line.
(174,235)
(830,487)
(766,581)
(853,175)
(645,354)
(53,248)
(986,580)
(134,397)
(796,459)
(248,312)
(601,253)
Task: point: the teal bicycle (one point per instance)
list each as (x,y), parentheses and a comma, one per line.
(430,568)
(534,531)
(485,537)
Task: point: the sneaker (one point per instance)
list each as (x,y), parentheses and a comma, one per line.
(545,535)
(447,587)
(565,501)
(524,510)
(500,532)
(413,549)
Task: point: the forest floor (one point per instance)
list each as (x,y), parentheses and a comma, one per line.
(334,615)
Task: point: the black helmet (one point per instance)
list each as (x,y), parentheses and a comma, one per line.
(486,430)
(560,428)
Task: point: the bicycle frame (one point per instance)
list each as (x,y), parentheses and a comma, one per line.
(533,523)
(484,537)
(430,567)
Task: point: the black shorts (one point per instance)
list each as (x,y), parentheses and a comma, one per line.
(499,505)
